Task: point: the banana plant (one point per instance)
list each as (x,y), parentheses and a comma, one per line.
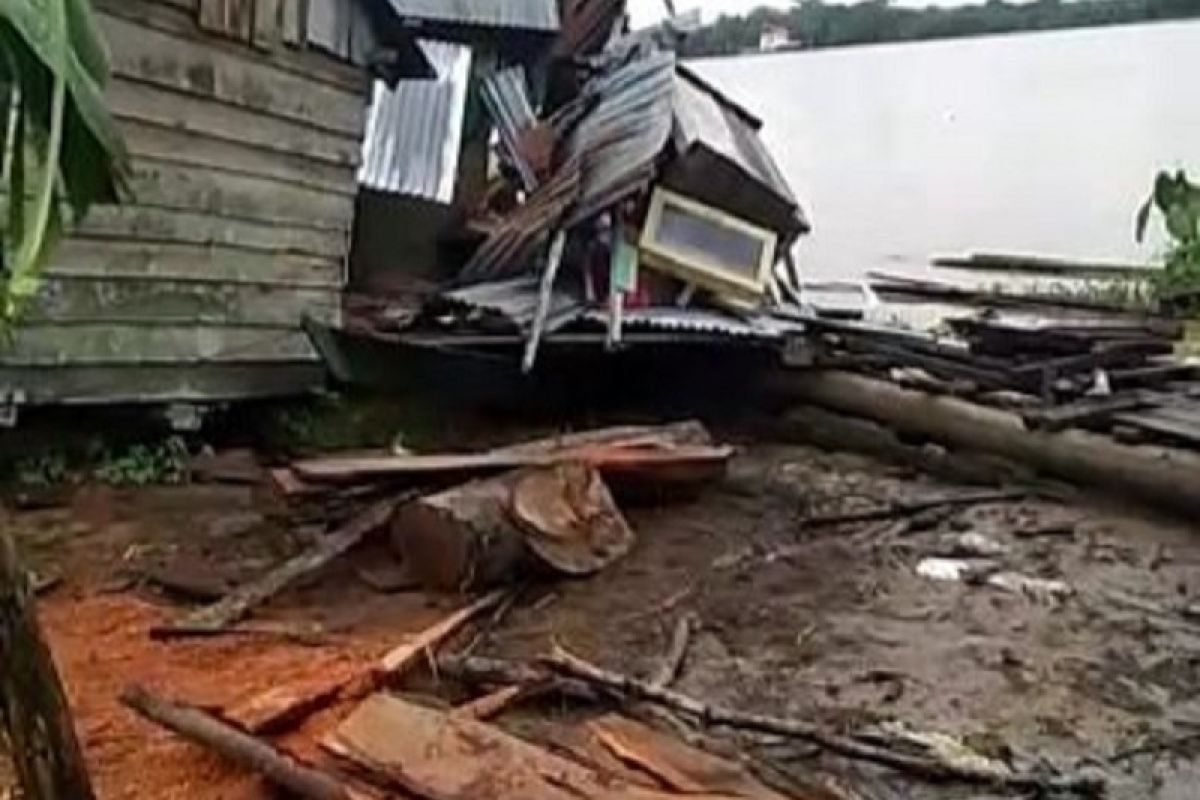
(1177,201)
(62,151)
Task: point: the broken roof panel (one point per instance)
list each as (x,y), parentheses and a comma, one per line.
(721,140)
(702,321)
(534,15)
(610,153)
(414,131)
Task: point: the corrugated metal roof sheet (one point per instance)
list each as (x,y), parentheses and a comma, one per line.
(414,132)
(619,141)
(536,15)
(517,299)
(624,123)
(702,320)
(507,99)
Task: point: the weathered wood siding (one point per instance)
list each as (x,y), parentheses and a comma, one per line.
(245,137)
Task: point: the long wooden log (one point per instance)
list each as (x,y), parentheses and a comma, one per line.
(930,766)
(1156,475)
(33,707)
(203,728)
(233,607)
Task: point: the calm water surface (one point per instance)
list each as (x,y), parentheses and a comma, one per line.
(1038,143)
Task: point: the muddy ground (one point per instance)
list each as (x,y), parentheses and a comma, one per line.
(1100,671)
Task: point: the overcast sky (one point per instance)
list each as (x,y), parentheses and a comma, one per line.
(646,12)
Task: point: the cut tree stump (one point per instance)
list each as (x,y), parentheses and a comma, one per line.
(33,706)
(460,539)
(484,533)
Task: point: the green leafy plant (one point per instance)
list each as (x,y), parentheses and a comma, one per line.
(60,143)
(146,464)
(1177,201)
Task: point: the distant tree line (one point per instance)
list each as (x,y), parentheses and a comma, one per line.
(814,23)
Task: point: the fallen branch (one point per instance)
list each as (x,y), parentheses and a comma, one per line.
(236,605)
(203,728)
(672,665)
(479,671)
(625,687)
(908,508)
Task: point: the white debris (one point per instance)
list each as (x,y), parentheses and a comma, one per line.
(944,569)
(1037,589)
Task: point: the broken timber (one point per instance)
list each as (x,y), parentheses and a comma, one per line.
(283,708)
(438,755)
(203,728)
(33,706)
(911,508)
(214,619)
(930,766)
(1149,473)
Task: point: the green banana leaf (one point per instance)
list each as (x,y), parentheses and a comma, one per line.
(64,146)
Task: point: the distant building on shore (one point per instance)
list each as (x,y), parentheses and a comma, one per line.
(774,37)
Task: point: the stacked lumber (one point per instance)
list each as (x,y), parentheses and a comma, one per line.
(1106,371)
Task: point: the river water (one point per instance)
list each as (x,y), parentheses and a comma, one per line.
(1040,143)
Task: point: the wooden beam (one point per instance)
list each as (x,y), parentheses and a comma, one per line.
(1149,473)
(33,706)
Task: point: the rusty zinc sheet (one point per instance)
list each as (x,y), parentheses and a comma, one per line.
(534,15)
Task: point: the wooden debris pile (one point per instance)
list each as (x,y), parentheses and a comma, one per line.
(478,520)
(386,746)
(1106,371)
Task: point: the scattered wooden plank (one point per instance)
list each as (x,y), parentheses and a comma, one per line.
(220,615)
(492,705)
(909,508)
(672,434)
(1042,265)
(432,754)
(203,728)
(1083,412)
(283,708)
(34,711)
(678,766)
(928,766)
(649,462)
(416,649)
(1166,422)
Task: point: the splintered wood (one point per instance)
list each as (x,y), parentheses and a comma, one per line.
(678,766)
(284,707)
(436,755)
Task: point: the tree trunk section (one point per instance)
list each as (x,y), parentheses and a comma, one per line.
(463,538)
(1156,475)
(33,705)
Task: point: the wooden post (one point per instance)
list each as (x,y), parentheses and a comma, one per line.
(33,706)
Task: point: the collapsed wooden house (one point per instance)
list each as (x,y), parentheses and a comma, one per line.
(244,121)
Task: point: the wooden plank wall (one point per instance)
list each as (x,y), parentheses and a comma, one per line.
(245,140)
